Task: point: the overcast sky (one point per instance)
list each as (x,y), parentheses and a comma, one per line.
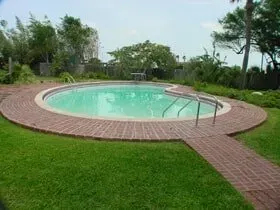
(184,25)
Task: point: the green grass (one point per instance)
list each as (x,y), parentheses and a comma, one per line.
(57,79)
(47,78)
(40,171)
(265,139)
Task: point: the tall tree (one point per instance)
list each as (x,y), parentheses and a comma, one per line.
(144,56)
(178,58)
(184,58)
(20,38)
(249,8)
(265,33)
(42,41)
(74,37)
(6,47)
(92,48)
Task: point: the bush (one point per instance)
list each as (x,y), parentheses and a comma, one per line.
(93,75)
(269,99)
(89,75)
(24,75)
(155,79)
(20,74)
(101,75)
(66,77)
(199,86)
(230,76)
(4,77)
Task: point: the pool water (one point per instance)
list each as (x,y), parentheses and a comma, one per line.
(123,101)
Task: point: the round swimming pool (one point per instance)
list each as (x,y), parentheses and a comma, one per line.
(122,101)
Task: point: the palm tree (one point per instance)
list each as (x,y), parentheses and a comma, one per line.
(177,57)
(249,8)
(184,58)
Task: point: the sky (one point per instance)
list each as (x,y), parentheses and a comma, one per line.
(183,25)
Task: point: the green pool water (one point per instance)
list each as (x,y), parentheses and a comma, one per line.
(123,101)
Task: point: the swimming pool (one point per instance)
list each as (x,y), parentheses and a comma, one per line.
(123,101)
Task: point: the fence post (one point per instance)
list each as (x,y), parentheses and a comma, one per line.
(10,65)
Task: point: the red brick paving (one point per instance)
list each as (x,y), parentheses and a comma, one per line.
(255,177)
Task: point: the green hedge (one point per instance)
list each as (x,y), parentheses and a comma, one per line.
(269,98)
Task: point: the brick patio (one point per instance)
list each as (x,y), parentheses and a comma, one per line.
(256,178)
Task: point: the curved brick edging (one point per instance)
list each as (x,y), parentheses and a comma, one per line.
(21,108)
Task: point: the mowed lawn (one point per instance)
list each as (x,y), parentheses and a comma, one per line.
(40,171)
(265,139)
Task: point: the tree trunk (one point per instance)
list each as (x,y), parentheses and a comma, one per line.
(47,58)
(248,20)
(273,61)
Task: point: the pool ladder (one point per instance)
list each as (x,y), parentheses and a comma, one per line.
(71,80)
(197,98)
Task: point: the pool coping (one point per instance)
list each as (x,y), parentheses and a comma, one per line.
(170,90)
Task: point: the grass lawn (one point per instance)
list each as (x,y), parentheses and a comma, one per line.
(40,171)
(47,78)
(265,139)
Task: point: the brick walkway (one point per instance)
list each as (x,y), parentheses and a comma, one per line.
(256,178)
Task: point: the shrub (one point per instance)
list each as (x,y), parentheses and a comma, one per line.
(16,72)
(268,99)
(25,75)
(66,77)
(21,74)
(230,76)
(101,75)
(199,86)
(4,76)
(93,75)
(89,75)
(155,79)
(59,62)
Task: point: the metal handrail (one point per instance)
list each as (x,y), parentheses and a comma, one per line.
(178,113)
(71,81)
(198,109)
(170,105)
(216,106)
(197,96)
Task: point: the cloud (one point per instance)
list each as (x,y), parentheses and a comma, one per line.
(211,26)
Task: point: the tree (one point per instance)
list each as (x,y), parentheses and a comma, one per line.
(42,40)
(184,58)
(74,37)
(265,33)
(92,48)
(177,58)
(6,47)
(249,8)
(20,39)
(143,56)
